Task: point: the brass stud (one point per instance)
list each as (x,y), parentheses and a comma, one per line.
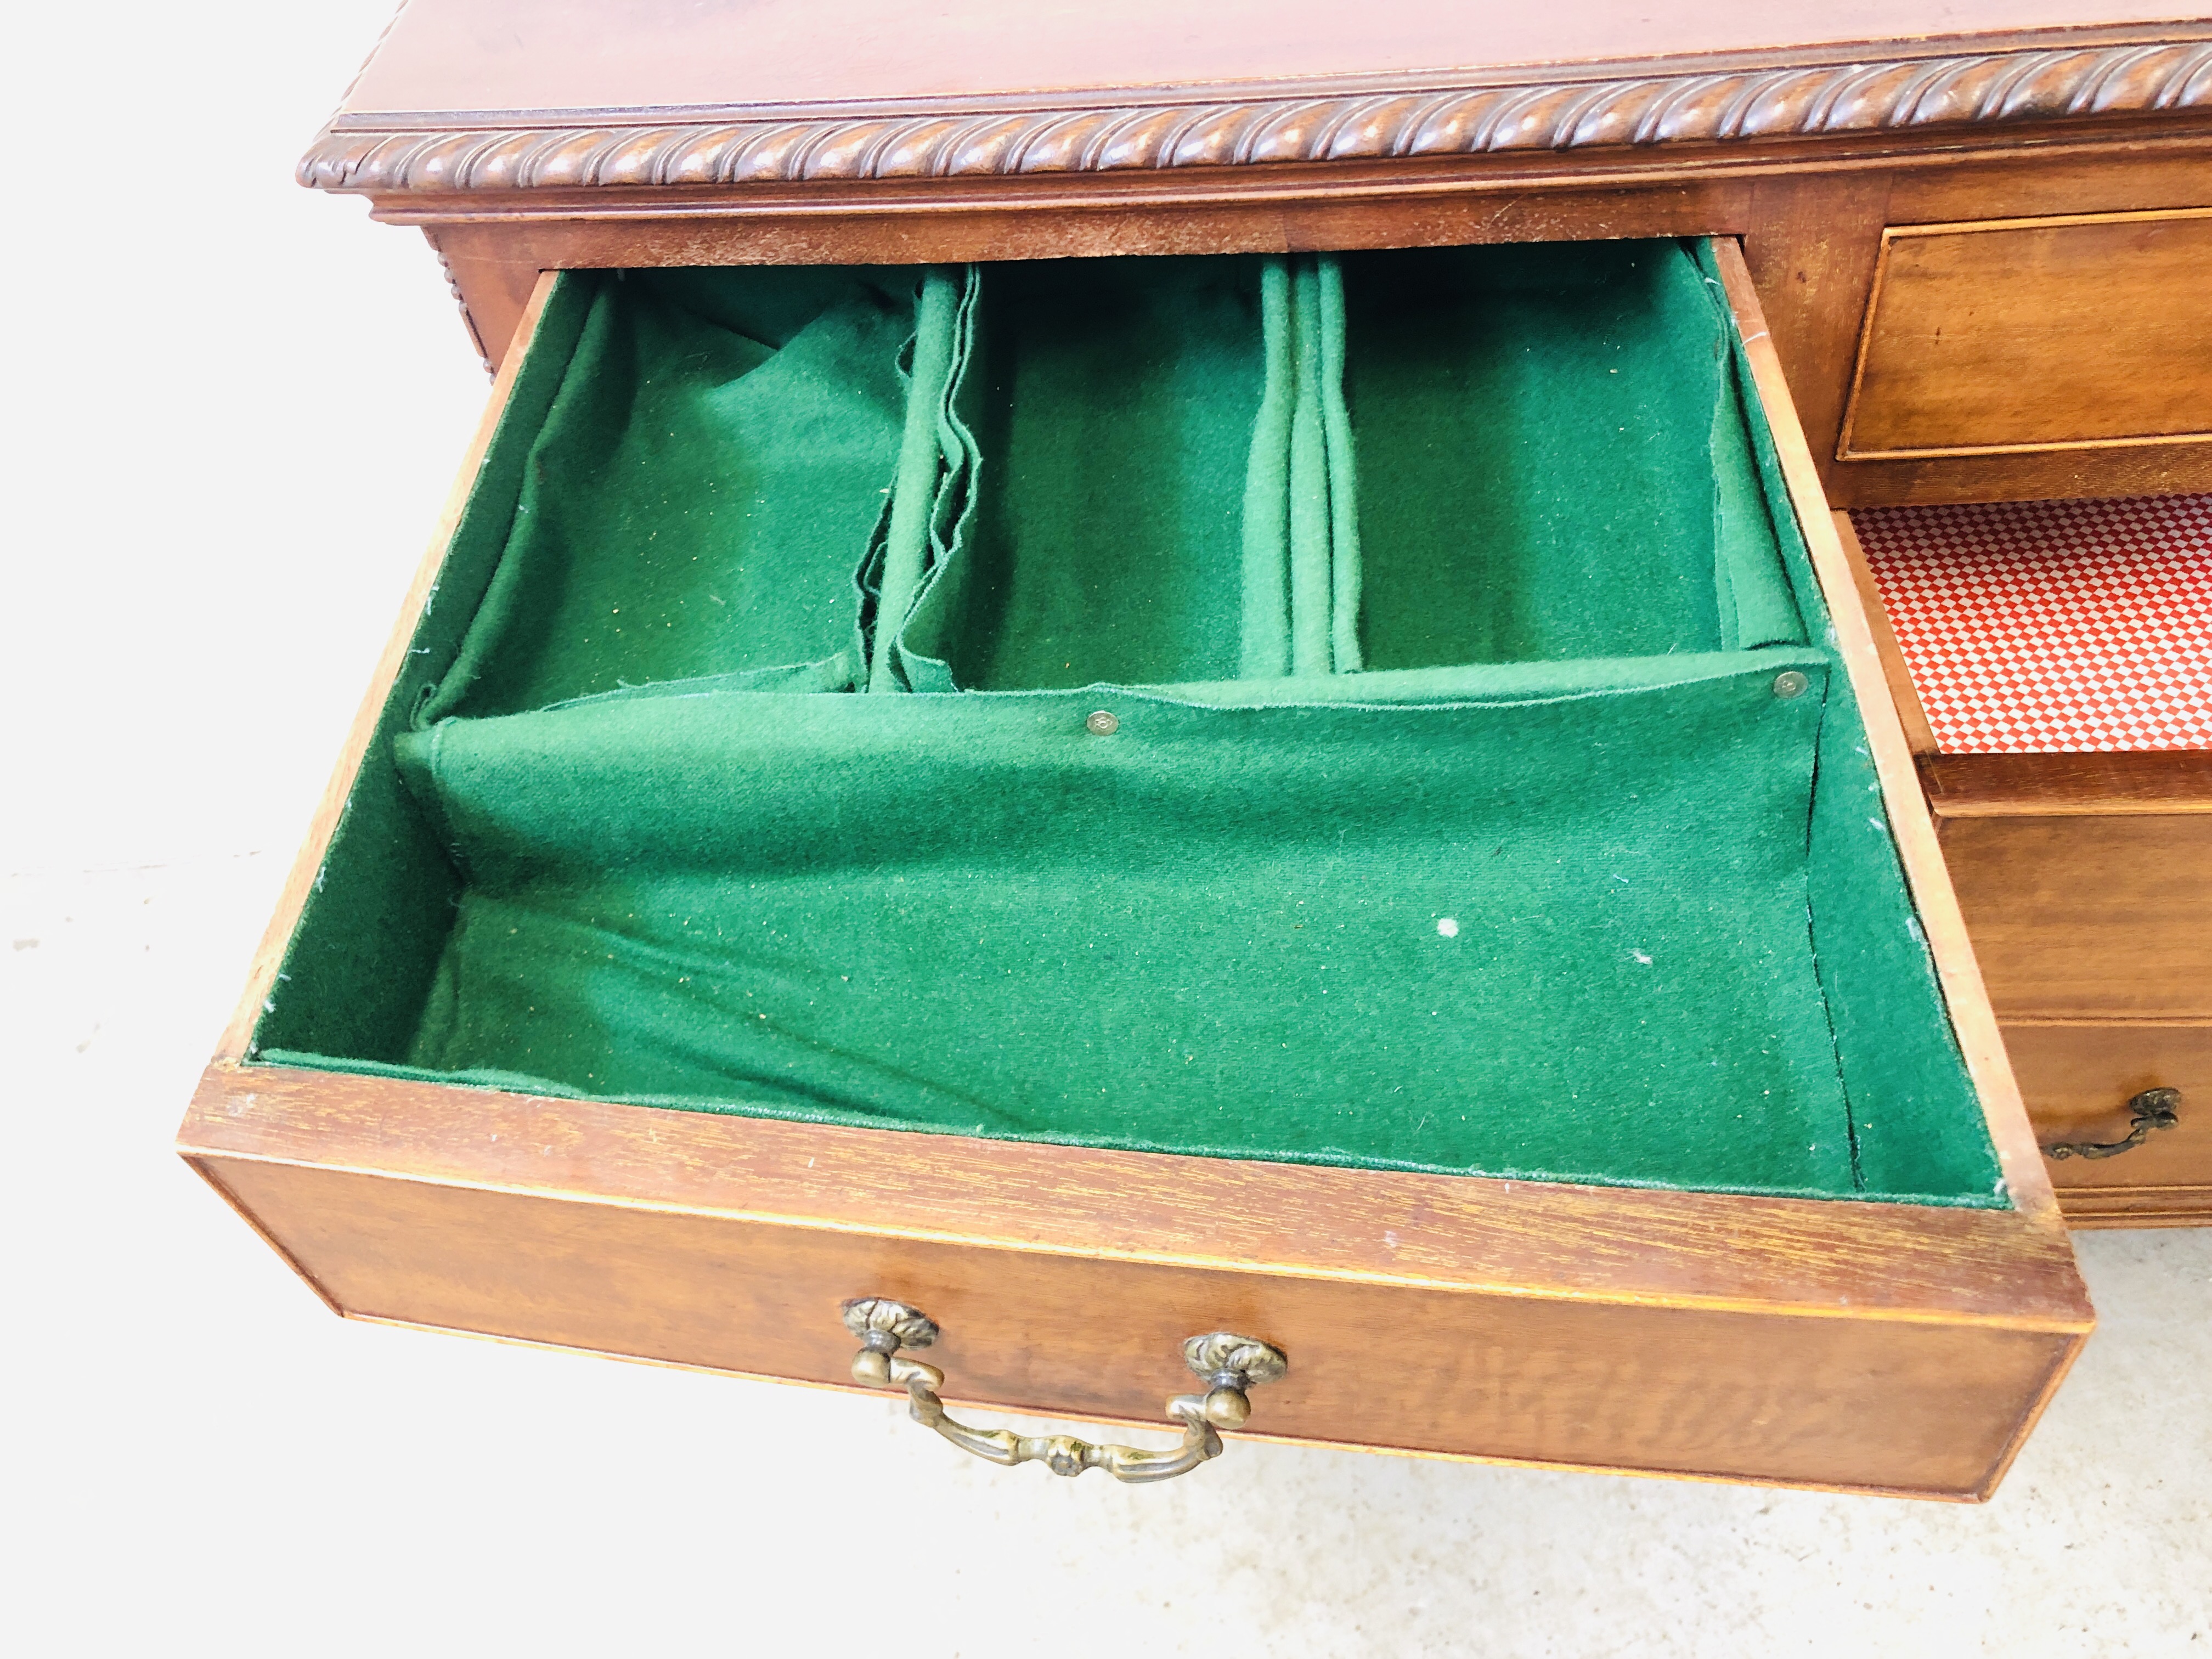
(1791,684)
(1102,724)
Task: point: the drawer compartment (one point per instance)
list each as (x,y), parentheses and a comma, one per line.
(1133,767)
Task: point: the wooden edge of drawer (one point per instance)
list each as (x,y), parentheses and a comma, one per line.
(2123,783)
(1724,1252)
(1914,830)
(2090,1209)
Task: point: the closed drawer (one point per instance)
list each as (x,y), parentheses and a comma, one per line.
(2013,335)
(2080,1082)
(1112,800)
(2047,651)
(2088,914)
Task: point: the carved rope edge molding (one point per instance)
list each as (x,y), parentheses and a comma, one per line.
(1753,104)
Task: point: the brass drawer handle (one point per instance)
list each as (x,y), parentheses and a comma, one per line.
(2154,1108)
(1229,1365)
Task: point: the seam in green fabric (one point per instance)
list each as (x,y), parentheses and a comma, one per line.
(1930,1054)
(1819,968)
(1311,578)
(920,466)
(1266,606)
(1343,475)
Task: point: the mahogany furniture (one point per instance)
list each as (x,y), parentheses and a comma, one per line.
(1901,1347)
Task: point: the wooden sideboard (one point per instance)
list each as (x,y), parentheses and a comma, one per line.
(2018,203)
(1964,268)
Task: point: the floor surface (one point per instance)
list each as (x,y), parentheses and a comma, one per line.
(202,1444)
(247,404)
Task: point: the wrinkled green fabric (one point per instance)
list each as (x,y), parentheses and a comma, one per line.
(1542,456)
(1110,402)
(1449,818)
(1155,938)
(695,500)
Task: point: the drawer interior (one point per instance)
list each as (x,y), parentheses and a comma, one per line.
(1322,708)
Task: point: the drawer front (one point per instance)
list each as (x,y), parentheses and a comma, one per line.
(2089,917)
(2023,335)
(1886,1349)
(1902,1346)
(2078,1080)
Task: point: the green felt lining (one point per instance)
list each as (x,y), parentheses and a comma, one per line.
(1441,586)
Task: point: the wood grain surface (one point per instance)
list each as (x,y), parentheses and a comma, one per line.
(1919,735)
(1874,1345)
(2032,182)
(2087,783)
(495,260)
(1460,1233)
(2078,1080)
(472,95)
(530,55)
(1882,1346)
(2089,917)
(2042,334)
(1813,244)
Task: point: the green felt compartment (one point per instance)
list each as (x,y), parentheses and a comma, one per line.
(1439,587)
(695,500)
(1111,402)
(1539,472)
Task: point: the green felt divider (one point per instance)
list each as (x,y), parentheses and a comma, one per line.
(686,880)
(1265,612)
(916,491)
(1005,943)
(1343,474)
(1300,594)
(1312,589)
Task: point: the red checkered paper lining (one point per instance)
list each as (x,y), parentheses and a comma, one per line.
(2039,626)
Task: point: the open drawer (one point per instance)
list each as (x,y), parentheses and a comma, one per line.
(1346,799)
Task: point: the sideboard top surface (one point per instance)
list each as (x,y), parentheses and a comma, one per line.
(532,99)
(527,57)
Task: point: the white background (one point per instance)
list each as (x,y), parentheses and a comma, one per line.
(233,407)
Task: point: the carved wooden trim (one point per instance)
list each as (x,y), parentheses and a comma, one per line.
(461,304)
(365,152)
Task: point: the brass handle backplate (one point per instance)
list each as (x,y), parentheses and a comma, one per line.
(2154,1108)
(1229,1365)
